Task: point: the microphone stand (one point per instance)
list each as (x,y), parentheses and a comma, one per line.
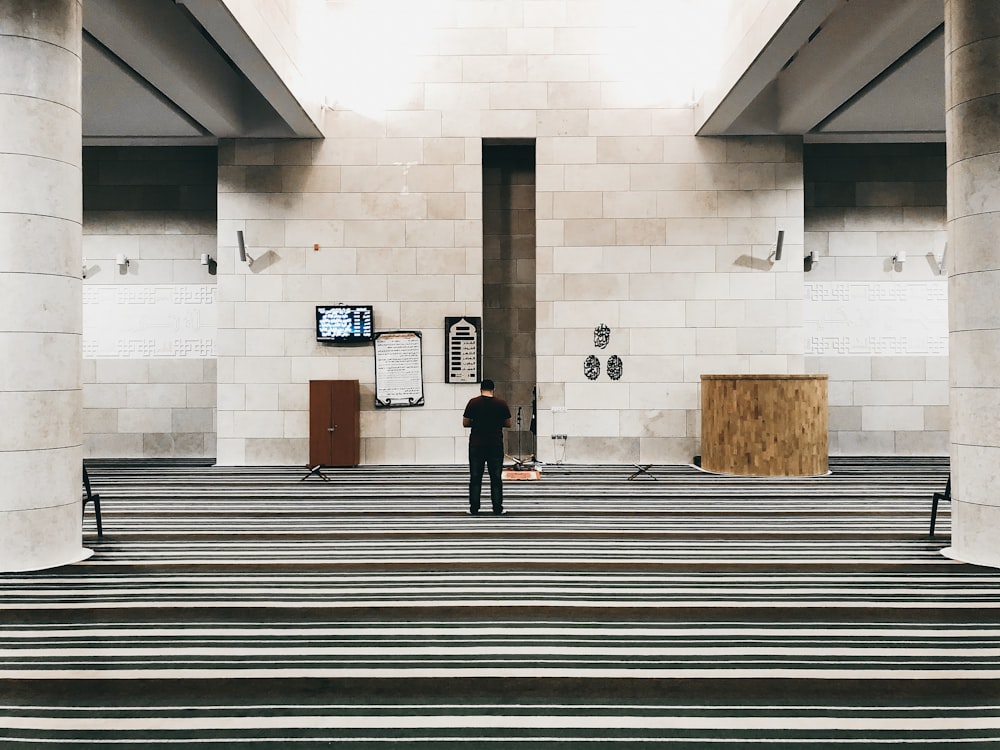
(518,461)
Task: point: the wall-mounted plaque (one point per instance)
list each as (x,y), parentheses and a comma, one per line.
(399,375)
(462,349)
(876,318)
(149,321)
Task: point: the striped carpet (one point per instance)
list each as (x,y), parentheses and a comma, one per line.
(247,608)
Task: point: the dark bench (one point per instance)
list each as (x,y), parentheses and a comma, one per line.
(92,497)
(938,497)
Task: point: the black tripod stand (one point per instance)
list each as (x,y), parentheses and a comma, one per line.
(520,463)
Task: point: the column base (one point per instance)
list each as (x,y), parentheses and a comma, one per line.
(952,554)
(41,538)
(82,554)
(973,531)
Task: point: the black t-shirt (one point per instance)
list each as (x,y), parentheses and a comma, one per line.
(488,415)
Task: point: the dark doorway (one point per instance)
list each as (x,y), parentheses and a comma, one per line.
(509,281)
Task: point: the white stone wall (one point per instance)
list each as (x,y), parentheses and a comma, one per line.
(885,348)
(672,253)
(663,237)
(149,329)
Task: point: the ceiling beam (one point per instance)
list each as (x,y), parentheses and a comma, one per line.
(227,31)
(161,45)
(119,103)
(775,36)
(854,46)
(904,102)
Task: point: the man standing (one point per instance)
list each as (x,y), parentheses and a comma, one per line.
(487,415)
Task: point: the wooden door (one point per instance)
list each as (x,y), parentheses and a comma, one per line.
(334,423)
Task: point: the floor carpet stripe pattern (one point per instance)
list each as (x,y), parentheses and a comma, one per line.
(249,607)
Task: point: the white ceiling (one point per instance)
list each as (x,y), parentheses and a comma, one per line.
(183,71)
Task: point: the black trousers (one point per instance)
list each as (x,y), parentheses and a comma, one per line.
(485,457)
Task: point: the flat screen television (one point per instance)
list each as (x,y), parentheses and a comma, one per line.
(344,324)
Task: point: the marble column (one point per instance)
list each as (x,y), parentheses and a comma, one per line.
(972,101)
(41,210)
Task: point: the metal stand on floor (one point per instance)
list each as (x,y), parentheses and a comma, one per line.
(642,470)
(318,471)
(523,468)
(520,463)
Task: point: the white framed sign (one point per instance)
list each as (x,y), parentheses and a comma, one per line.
(462,350)
(399,373)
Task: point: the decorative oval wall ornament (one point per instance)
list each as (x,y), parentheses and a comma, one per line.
(614,367)
(592,367)
(602,336)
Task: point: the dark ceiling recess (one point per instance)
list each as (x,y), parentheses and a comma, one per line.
(934,37)
(836,71)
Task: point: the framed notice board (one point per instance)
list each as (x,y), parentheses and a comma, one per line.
(399,374)
(462,350)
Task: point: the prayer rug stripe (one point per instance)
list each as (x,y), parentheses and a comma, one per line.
(241,607)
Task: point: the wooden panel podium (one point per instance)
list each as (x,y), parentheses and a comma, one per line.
(764,425)
(334,423)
